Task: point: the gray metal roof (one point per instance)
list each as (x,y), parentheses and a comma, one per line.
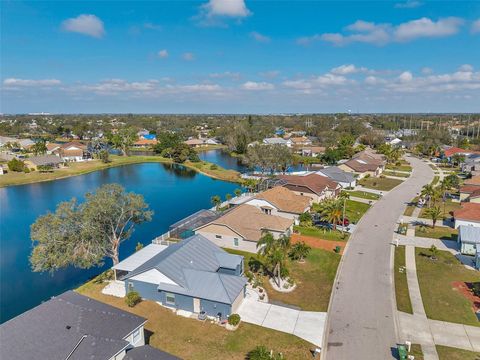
(139,257)
(193,264)
(147,352)
(68,323)
(337,174)
(469,234)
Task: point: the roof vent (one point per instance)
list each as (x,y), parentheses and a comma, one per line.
(68,327)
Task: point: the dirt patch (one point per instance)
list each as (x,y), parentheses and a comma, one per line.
(318,243)
(465,289)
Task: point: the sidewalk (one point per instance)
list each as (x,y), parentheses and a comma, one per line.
(375,191)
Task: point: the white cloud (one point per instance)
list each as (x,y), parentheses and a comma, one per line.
(163,54)
(425,27)
(475,27)
(13,82)
(405,77)
(152,26)
(270,74)
(466,68)
(373,80)
(252,85)
(229,8)
(85,24)
(322,81)
(426,71)
(226,75)
(348,69)
(409,4)
(382,34)
(188,56)
(259,37)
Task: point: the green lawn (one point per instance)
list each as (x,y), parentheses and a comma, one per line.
(394,173)
(402,167)
(440,299)
(335,235)
(440,232)
(314,280)
(382,184)
(400,277)
(355,210)
(435,180)
(364,195)
(448,353)
(201,340)
(411,207)
(446,208)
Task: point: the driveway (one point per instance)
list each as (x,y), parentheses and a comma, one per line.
(307,325)
(361,315)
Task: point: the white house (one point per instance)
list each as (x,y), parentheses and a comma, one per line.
(469,239)
(468,214)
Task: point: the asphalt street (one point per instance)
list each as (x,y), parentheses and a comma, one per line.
(361,322)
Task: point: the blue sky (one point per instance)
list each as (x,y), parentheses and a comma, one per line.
(236,56)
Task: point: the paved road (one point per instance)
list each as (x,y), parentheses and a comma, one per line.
(361,322)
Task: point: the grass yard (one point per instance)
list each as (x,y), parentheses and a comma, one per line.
(80,168)
(382,184)
(355,210)
(448,353)
(192,339)
(394,173)
(403,167)
(401,286)
(441,301)
(416,351)
(364,195)
(314,280)
(440,232)
(435,180)
(313,231)
(411,207)
(446,208)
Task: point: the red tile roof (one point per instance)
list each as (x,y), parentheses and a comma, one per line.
(468,189)
(473,181)
(455,150)
(469,211)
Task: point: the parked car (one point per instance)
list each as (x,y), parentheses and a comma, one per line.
(323,224)
(346,222)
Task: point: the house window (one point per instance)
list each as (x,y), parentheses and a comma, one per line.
(218,236)
(267,211)
(170,299)
(136,336)
(130,286)
(235,241)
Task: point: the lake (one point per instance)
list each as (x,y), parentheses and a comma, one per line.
(172,191)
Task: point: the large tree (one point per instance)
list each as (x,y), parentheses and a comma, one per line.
(274,253)
(123,139)
(84,234)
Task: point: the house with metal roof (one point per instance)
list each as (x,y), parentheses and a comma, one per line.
(334,173)
(193,275)
(72,326)
(277,141)
(469,239)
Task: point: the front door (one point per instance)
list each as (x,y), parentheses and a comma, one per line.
(196,305)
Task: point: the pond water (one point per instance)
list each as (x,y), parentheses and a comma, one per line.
(172,191)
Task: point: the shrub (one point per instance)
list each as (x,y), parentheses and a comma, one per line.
(234,319)
(367,176)
(132,298)
(16,165)
(262,353)
(106,275)
(476,288)
(248,274)
(213,167)
(26,170)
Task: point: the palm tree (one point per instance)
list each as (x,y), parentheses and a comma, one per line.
(299,251)
(434,251)
(331,211)
(428,191)
(344,196)
(216,201)
(275,252)
(237,192)
(434,213)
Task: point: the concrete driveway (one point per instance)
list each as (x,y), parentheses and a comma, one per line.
(307,325)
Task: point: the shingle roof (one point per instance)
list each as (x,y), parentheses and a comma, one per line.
(53,329)
(314,182)
(469,234)
(45,160)
(285,200)
(475,180)
(469,211)
(146,352)
(192,261)
(468,189)
(275,141)
(250,222)
(337,174)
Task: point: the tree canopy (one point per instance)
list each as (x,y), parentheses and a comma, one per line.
(82,235)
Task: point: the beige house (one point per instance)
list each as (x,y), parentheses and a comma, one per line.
(364,163)
(243,226)
(282,202)
(314,186)
(195,142)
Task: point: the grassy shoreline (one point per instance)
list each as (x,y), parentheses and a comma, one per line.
(75,169)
